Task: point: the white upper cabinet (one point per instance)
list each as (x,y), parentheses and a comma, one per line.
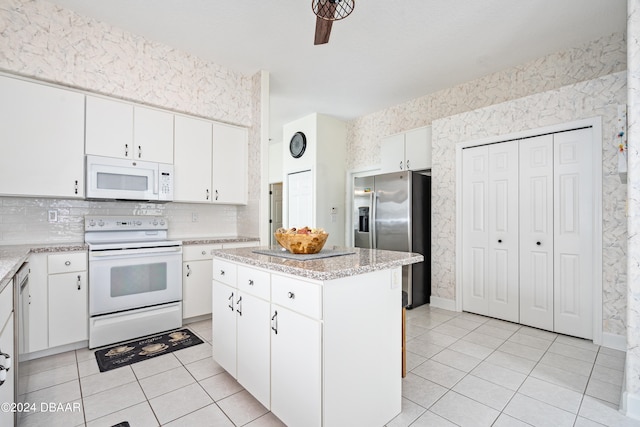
(210,162)
(192,161)
(409,150)
(109,128)
(230,164)
(153,134)
(122,130)
(42,140)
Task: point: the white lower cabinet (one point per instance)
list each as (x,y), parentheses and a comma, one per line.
(7,394)
(68,308)
(59,308)
(302,351)
(224,326)
(296,368)
(196,279)
(253,343)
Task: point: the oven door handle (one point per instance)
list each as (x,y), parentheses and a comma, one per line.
(141,252)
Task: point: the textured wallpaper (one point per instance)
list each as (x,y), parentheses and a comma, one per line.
(43,41)
(579,83)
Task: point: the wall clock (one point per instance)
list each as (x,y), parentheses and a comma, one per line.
(297,145)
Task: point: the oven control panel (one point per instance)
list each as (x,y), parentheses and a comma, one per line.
(113,223)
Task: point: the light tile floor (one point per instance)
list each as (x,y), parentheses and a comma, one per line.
(464,369)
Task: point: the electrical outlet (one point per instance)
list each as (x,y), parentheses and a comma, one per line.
(53,215)
(194,217)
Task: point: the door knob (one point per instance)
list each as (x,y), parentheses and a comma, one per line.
(538,243)
(499,240)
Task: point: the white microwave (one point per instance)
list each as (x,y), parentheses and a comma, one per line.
(124,179)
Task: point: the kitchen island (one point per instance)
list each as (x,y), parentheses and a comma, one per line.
(317,342)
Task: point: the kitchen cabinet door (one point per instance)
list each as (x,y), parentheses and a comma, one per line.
(7,389)
(109,128)
(152,135)
(296,368)
(127,131)
(196,288)
(68,308)
(392,157)
(417,149)
(43,140)
(224,326)
(39,305)
(230,164)
(192,161)
(253,346)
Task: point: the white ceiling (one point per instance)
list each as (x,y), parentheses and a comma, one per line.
(385,53)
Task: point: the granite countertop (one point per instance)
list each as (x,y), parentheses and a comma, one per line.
(361,261)
(12,256)
(214,240)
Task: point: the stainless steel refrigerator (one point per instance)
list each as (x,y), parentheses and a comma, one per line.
(393,212)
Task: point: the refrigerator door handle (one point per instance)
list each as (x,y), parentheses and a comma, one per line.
(372,223)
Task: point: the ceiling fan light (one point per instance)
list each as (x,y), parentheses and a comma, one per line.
(332,10)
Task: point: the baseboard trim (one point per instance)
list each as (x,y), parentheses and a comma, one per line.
(614,341)
(631,405)
(443,303)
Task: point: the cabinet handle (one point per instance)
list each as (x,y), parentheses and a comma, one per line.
(538,243)
(400,164)
(139,151)
(126,150)
(7,360)
(75,188)
(239,306)
(79,281)
(291,295)
(3,374)
(216,194)
(274,322)
(207,194)
(408,167)
(231,301)
(204,252)
(222,272)
(250,282)
(188,270)
(67,263)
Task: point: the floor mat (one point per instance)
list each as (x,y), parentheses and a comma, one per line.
(144,349)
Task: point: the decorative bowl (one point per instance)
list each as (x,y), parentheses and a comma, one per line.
(302,243)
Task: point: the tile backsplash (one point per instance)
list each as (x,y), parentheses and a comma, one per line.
(25,220)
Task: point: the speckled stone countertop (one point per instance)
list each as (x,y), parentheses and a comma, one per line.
(12,256)
(362,261)
(216,240)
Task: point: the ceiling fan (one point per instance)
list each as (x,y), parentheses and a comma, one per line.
(326,12)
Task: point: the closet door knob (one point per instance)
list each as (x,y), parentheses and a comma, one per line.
(538,243)
(499,240)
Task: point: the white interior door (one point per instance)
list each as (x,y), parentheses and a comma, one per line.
(502,274)
(475,162)
(573,233)
(300,202)
(536,232)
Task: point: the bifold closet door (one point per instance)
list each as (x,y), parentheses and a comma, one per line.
(490,218)
(536,232)
(475,211)
(573,233)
